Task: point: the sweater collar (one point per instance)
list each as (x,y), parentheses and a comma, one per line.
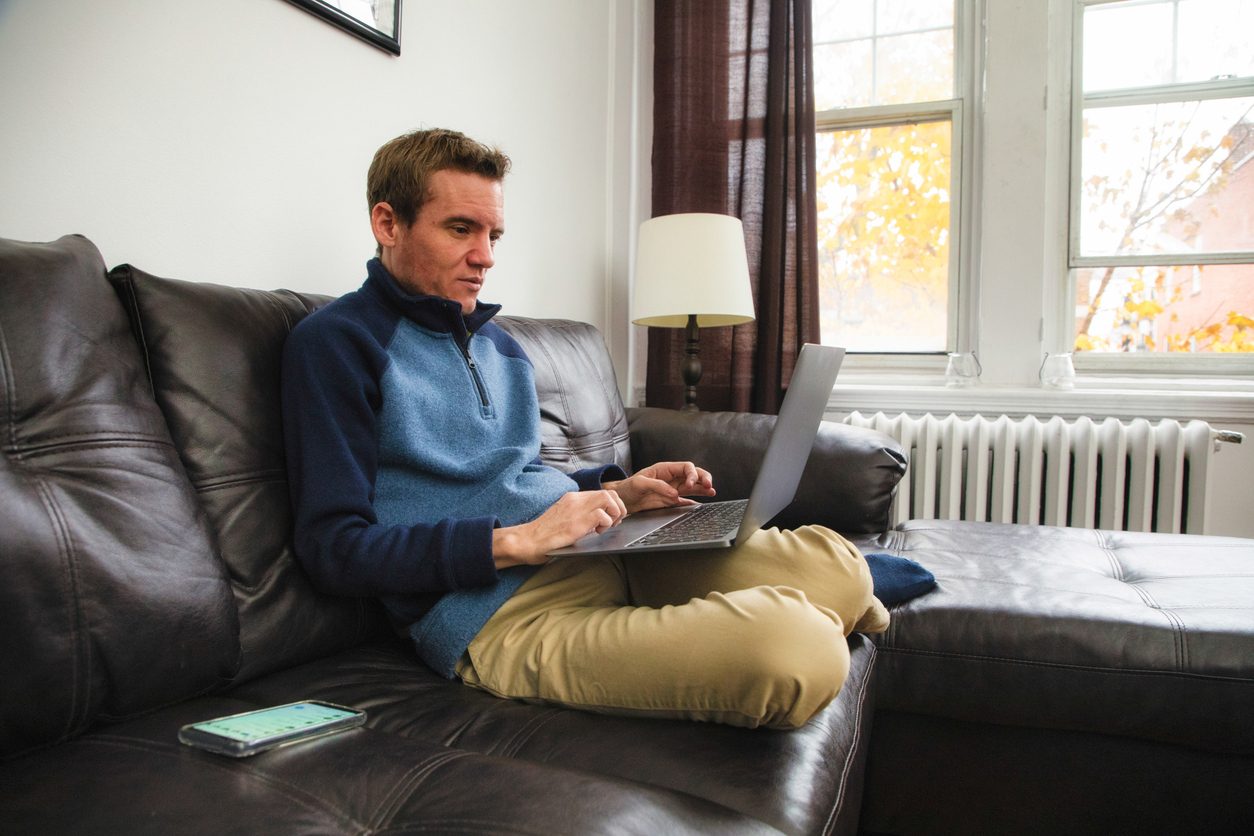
(432,312)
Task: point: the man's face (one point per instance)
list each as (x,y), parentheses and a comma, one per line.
(449,247)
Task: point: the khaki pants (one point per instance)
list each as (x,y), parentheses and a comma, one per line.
(753,635)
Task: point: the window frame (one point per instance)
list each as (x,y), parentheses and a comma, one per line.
(1016,73)
(1201,364)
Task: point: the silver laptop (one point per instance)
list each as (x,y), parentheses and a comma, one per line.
(723,524)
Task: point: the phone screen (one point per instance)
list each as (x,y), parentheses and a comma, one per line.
(255,731)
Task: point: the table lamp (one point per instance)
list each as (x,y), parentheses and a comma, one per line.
(692,272)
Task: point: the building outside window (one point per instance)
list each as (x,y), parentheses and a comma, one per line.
(1162,208)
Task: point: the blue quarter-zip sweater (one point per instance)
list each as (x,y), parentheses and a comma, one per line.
(413,431)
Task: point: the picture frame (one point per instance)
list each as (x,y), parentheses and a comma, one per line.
(377,22)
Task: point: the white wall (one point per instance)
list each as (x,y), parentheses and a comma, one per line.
(1231,511)
(228,141)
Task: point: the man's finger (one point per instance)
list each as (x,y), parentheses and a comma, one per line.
(691,477)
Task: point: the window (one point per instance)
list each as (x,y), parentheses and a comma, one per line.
(1162,177)
(1020,179)
(889,153)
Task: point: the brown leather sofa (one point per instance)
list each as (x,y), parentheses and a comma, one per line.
(1057,680)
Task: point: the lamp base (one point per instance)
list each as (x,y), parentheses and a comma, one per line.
(692,366)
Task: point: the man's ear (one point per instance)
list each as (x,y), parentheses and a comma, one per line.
(384,224)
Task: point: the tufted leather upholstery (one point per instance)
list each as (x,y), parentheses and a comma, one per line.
(148,540)
(133,778)
(89,473)
(1087,682)
(1142,635)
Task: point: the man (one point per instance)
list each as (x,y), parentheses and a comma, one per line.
(413,439)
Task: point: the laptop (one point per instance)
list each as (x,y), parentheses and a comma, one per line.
(725,524)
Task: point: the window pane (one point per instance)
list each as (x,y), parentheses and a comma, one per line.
(1127,46)
(915,68)
(1169,178)
(879,52)
(1197,308)
(1215,39)
(912,15)
(842,20)
(883,204)
(843,75)
(1171,41)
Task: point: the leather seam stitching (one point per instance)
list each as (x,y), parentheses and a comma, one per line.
(80,685)
(231,480)
(280,785)
(10,387)
(528,731)
(135,319)
(1128,672)
(830,825)
(405,786)
(34,452)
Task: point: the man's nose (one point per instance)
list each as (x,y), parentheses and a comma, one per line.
(481,255)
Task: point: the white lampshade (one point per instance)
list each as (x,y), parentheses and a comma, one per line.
(692,264)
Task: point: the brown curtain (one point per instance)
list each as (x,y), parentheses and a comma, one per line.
(733,133)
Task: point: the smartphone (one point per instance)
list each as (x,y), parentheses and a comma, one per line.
(241,735)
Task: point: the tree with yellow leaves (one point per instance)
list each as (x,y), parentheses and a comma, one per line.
(1167,191)
(883,204)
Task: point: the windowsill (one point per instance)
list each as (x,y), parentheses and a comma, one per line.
(1124,398)
(915,384)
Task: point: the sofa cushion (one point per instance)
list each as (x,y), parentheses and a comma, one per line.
(213,354)
(807,780)
(100,530)
(1148,636)
(429,750)
(849,480)
(583,423)
(137,779)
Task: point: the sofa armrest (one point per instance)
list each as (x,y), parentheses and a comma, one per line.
(848,484)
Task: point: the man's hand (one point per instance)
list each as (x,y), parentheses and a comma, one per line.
(662,485)
(571,517)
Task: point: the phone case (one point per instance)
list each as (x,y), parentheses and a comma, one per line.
(250,732)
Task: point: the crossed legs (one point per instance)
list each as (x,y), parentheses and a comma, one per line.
(748,636)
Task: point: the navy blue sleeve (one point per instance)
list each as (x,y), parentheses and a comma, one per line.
(590,478)
(331,368)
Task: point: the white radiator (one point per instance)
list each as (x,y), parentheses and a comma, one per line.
(1135,476)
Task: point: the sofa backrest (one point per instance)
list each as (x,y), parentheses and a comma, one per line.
(146,528)
(582,418)
(112,601)
(213,356)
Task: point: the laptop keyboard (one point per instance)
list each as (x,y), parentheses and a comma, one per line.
(709,522)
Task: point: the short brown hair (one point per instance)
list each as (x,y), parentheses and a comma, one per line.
(400,169)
